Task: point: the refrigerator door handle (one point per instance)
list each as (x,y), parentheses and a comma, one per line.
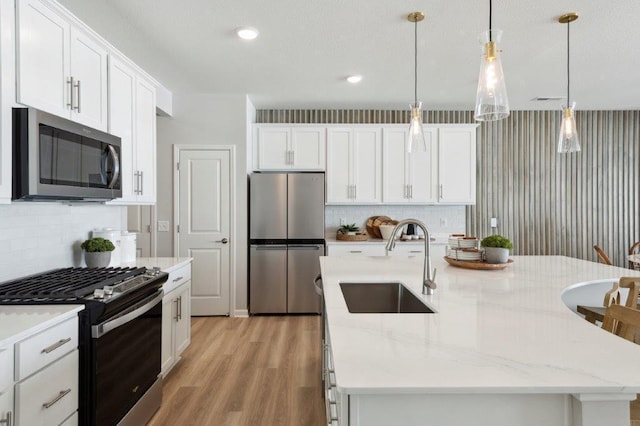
(305,247)
(270,247)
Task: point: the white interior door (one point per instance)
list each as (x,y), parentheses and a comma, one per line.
(139,220)
(204,226)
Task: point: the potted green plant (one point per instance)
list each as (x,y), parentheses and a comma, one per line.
(97,252)
(496,248)
(350,229)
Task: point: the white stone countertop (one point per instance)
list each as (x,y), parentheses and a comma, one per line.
(166,264)
(18,322)
(494,331)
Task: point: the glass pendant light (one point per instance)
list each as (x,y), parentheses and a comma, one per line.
(416,140)
(491,98)
(568,140)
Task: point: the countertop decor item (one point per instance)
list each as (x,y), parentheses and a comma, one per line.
(496,248)
(350,229)
(492,103)
(97,252)
(569,140)
(474,264)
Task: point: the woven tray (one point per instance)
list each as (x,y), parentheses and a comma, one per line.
(358,237)
(478,265)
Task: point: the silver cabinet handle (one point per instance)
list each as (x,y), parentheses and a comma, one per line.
(293,157)
(411,191)
(70,84)
(179,308)
(7,420)
(136,188)
(175,318)
(355,251)
(55,346)
(223,241)
(57,398)
(177,279)
(141,182)
(441,185)
(77,86)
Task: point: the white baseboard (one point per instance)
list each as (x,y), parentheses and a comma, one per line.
(241,313)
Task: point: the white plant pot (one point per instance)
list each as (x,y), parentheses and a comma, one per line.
(99,259)
(496,254)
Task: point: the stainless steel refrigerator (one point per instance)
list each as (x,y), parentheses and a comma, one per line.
(286,238)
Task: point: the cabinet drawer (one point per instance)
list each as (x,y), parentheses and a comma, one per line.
(51,395)
(45,347)
(355,249)
(177,278)
(71,421)
(6,371)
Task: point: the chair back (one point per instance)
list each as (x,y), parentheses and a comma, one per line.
(622,321)
(602,255)
(635,249)
(633,284)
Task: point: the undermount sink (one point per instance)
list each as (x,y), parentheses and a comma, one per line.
(381,298)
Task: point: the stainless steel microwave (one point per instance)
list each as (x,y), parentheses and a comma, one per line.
(58,159)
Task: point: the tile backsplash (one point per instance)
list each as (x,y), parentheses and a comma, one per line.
(439,219)
(36,237)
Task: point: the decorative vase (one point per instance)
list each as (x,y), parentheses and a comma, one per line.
(496,254)
(98,259)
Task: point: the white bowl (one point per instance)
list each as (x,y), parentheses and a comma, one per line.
(386,231)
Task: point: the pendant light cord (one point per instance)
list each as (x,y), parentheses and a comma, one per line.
(490,36)
(415,64)
(568,74)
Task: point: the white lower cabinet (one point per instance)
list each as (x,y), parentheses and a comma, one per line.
(348,249)
(50,396)
(7,413)
(6,407)
(176,318)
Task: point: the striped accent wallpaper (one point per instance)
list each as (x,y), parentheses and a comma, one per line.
(545,202)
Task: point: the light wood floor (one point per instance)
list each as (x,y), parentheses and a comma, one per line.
(247,371)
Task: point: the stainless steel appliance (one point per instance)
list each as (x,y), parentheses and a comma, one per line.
(120,336)
(286,231)
(57,159)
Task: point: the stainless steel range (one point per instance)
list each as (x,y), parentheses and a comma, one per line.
(120,336)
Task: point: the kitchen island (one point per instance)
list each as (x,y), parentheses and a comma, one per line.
(501,349)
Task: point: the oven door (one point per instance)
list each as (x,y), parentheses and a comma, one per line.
(127,358)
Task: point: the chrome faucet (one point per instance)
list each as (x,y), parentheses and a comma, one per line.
(428,278)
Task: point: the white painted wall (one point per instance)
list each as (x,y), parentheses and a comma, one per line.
(205,119)
(36,237)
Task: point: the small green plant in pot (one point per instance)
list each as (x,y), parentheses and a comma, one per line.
(350,229)
(97,252)
(496,248)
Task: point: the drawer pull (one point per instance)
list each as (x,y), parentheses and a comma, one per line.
(57,398)
(7,420)
(355,251)
(55,346)
(177,279)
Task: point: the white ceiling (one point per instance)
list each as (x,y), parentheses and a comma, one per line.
(307,48)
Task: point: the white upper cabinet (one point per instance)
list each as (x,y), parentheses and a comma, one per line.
(354,165)
(408,178)
(132,118)
(457,164)
(289,148)
(60,68)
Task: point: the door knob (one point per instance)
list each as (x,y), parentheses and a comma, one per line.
(223,241)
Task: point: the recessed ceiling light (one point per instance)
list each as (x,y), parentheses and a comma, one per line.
(353,79)
(247,33)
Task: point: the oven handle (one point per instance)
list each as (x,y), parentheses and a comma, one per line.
(132,313)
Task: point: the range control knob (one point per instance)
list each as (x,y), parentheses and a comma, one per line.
(108,290)
(98,293)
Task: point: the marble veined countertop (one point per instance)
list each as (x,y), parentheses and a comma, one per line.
(494,331)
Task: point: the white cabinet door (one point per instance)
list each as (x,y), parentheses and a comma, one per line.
(167,353)
(457,165)
(367,165)
(122,86)
(145,141)
(354,165)
(409,178)
(89,71)
(6,406)
(289,148)
(42,52)
(182,335)
(338,176)
(308,148)
(272,148)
